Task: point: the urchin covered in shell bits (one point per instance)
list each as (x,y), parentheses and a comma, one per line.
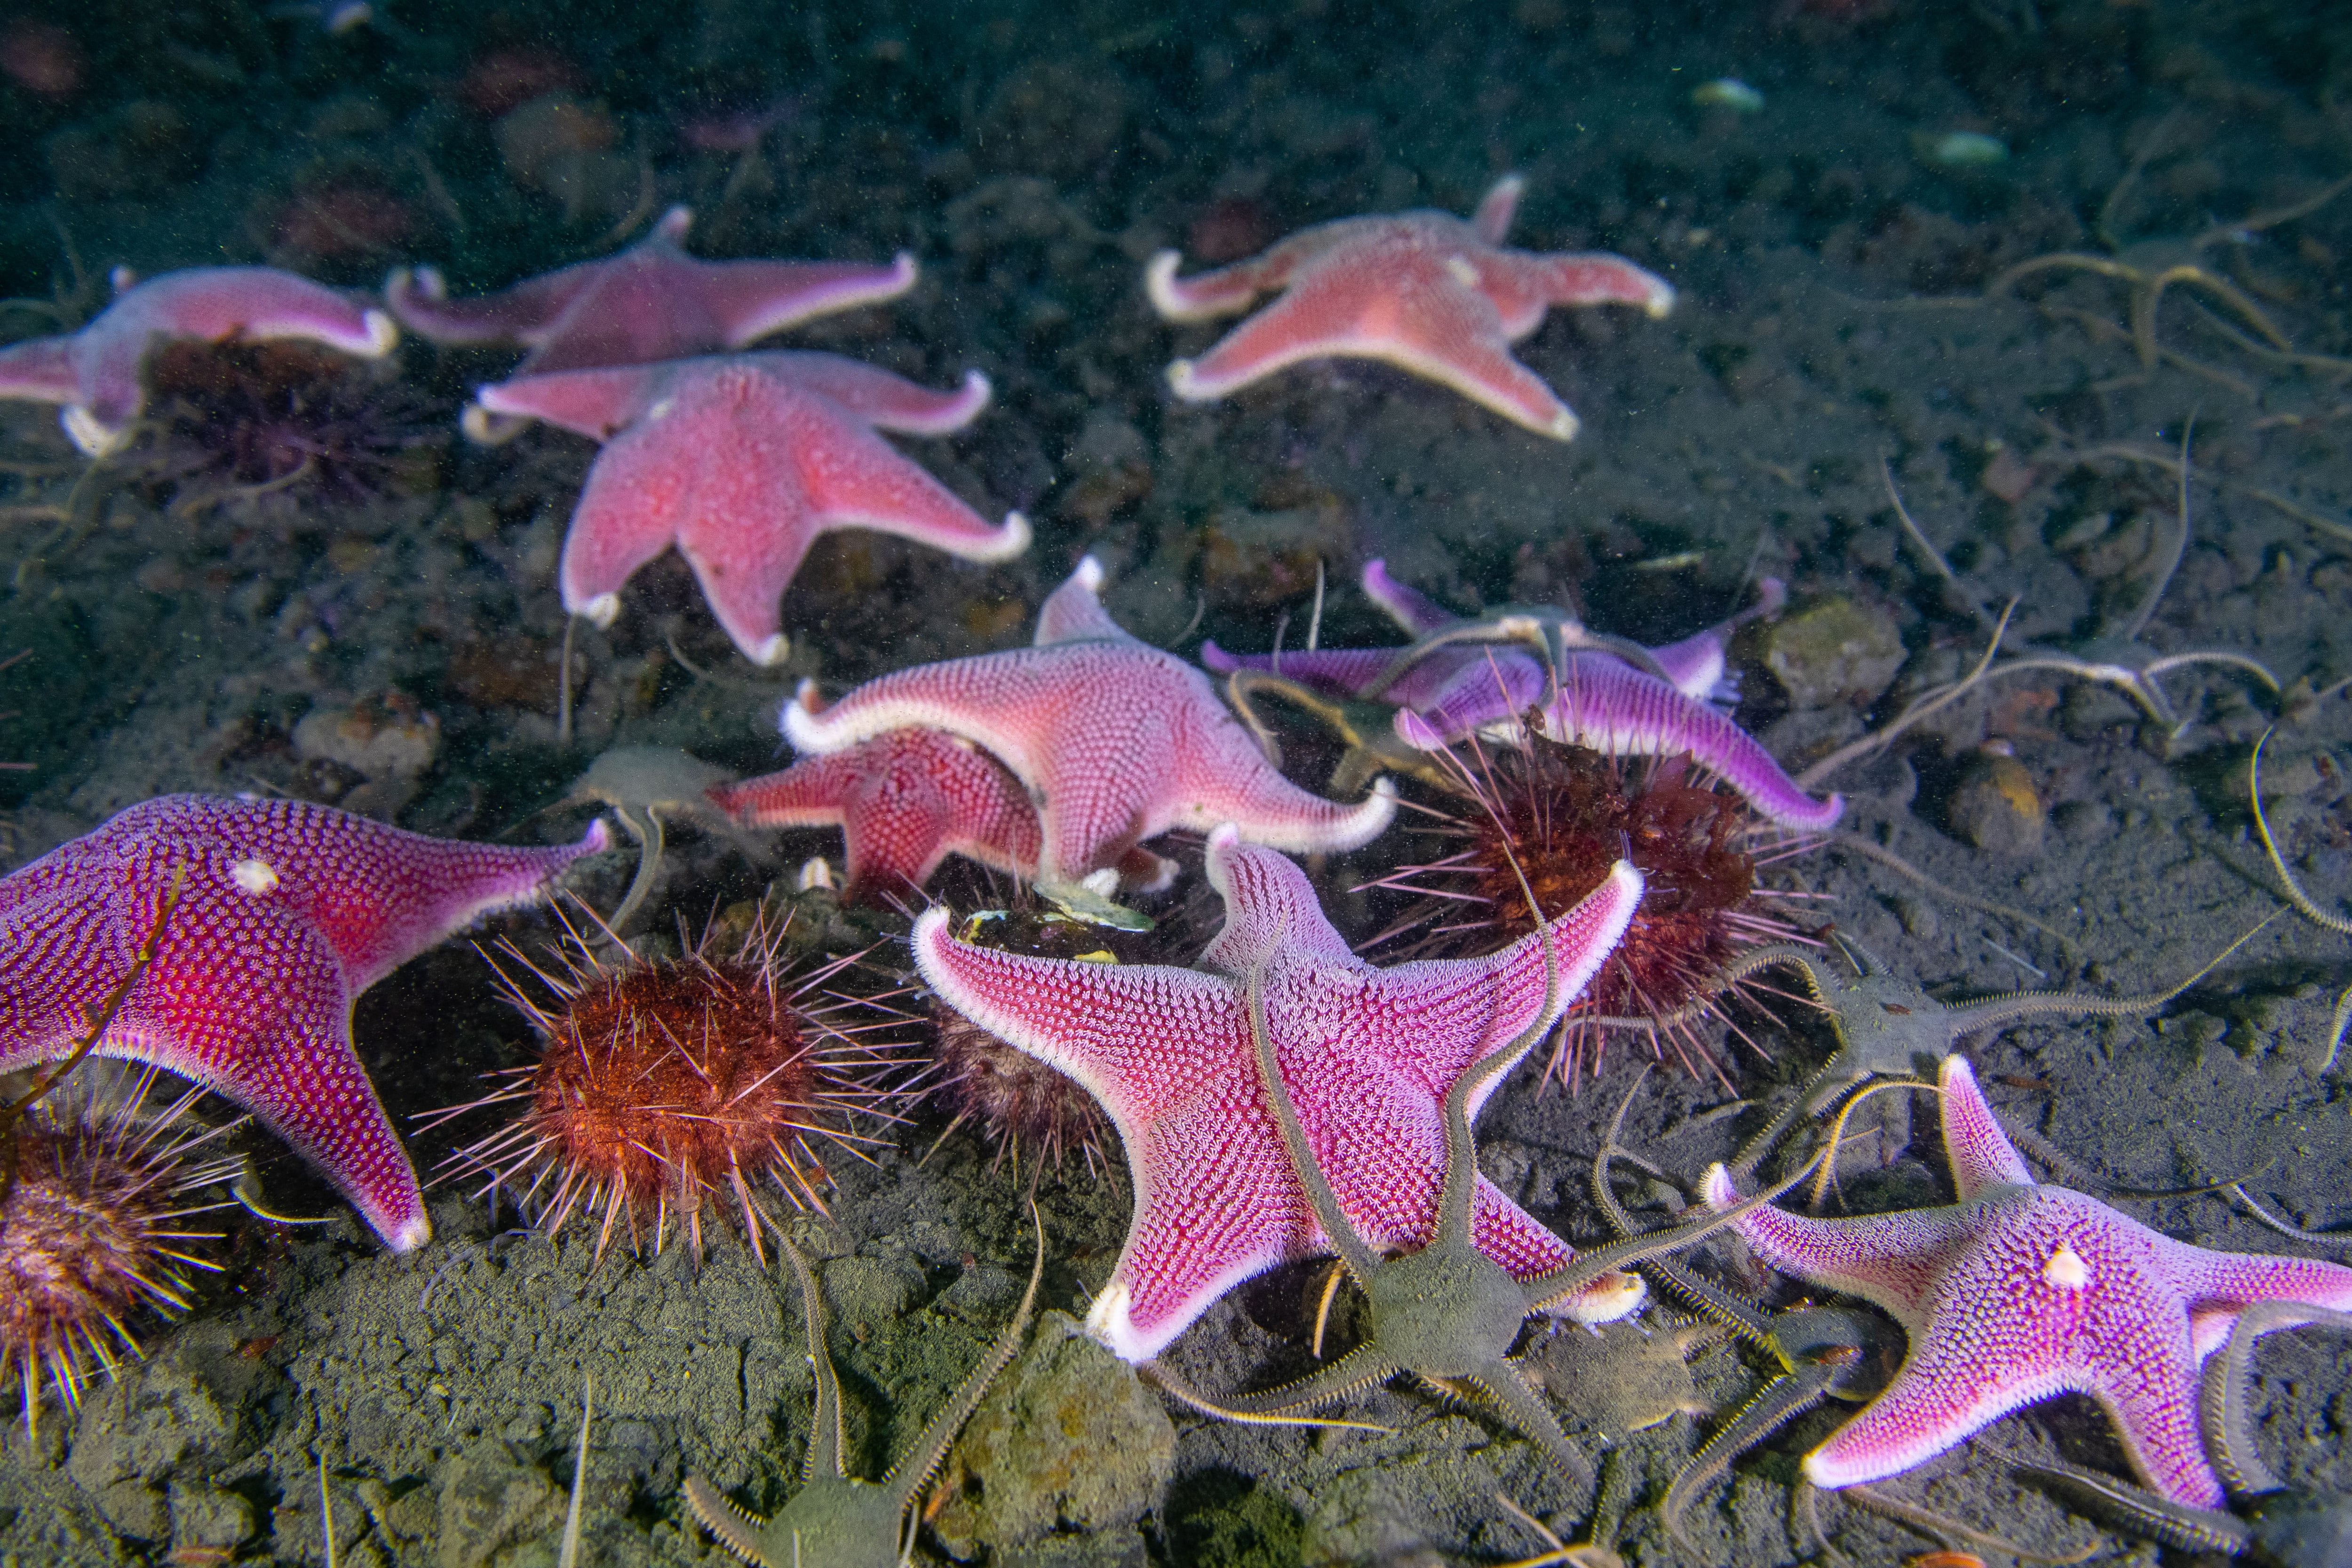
(1566,814)
(94,1231)
(665,1083)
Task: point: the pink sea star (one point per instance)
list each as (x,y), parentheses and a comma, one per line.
(1116,740)
(95,372)
(287,912)
(651,302)
(1603,699)
(2020,1291)
(1423,290)
(1368,1055)
(741,460)
(905,801)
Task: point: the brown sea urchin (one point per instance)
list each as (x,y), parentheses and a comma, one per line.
(270,427)
(1020,1104)
(1566,813)
(664,1083)
(94,1230)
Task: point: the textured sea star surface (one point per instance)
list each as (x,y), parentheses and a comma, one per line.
(1602,700)
(1367,1054)
(651,302)
(1116,740)
(905,801)
(2023,1291)
(741,462)
(95,372)
(287,911)
(1423,290)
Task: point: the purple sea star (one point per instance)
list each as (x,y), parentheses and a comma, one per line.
(2021,1291)
(1604,700)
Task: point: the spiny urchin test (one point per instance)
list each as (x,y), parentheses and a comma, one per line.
(663,1084)
(94,1229)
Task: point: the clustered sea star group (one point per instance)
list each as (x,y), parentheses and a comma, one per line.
(1056,762)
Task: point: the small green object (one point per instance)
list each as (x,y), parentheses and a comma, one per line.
(1729,92)
(1966,150)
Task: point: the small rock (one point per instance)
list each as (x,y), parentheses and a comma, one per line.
(1996,807)
(1835,653)
(488,1503)
(205,1520)
(190,1412)
(1622,1378)
(2084,821)
(1068,1442)
(391,739)
(868,1293)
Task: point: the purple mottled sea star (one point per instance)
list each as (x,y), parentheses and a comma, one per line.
(1460,677)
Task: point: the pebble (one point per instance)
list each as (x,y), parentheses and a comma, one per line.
(1835,653)
(1068,1442)
(389,740)
(1996,807)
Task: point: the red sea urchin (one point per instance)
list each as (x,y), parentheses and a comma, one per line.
(94,1227)
(664,1082)
(1566,813)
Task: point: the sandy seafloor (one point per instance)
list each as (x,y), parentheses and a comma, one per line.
(1033,157)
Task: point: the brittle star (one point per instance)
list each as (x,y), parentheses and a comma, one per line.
(2152,265)
(1889,1027)
(2302,903)
(1446,1314)
(2118,658)
(836,1520)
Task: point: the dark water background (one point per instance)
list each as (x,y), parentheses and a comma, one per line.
(1832,250)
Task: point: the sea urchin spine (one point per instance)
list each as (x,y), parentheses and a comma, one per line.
(94,1226)
(1566,814)
(1018,1102)
(662,1083)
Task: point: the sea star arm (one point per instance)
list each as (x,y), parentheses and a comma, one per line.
(1146,1041)
(1980,1152)
(1206,296)
(39,370)
(856,480)
(1610,705)
(1944,1394)
(1408,607)
(522,313)
(753,298)
(254,303)
(1435,1017)
(1497,207)
(903,801)
(381,896)
(1696,665)
(1418,316)
(1221,776)
(1333,672)
(1121,1030)
(891,401)
(1269,905)
(266,1023)
(1888,1259)
(597,403)
(1074,612)
(1591,277)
